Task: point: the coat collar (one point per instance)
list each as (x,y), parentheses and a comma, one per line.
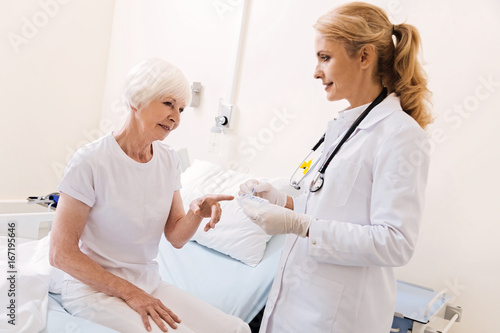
(389,105)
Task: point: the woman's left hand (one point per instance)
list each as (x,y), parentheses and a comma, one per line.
(209,206)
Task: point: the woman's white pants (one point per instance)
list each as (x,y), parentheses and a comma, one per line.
(196,315)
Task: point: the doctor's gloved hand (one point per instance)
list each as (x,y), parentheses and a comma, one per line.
(263,190)
(278,220)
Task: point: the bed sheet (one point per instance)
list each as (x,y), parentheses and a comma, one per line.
(36,310)
(220,280)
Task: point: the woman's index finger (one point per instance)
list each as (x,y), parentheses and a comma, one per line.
(222,197)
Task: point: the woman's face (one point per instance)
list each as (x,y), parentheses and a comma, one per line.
(339,72)
(159,118)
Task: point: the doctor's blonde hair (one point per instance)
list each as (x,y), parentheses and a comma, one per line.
(357,24)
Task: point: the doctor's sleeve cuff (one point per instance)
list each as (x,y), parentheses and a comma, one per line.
(315,239)
(342,243)
(299,203)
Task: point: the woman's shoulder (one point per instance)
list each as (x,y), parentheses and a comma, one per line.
(398,119)
(401,119)
(399,132)
(166,152)
(164,148)
(396,129)
(93,150)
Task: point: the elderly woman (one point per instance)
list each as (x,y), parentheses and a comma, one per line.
(118,195)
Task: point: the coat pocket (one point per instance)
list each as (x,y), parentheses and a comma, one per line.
(315,305)
(340,177)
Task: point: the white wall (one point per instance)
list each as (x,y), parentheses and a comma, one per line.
(197,36)
(53,56)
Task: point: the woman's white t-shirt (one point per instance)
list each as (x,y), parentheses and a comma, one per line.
(130,203)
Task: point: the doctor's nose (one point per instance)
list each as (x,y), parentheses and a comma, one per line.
(318,74)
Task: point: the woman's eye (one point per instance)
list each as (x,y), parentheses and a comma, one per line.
(180,110)
(168,103)
(325,58)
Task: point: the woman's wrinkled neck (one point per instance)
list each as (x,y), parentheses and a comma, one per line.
(134,141)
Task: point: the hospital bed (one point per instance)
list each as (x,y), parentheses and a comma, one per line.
(423,310)
(220,273)
(234,280)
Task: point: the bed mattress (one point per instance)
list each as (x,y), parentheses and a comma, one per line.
(220,280)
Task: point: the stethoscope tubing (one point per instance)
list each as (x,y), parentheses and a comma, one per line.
(326,163)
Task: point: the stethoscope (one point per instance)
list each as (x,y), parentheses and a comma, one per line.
(306,164)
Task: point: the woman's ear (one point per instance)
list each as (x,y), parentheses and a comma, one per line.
(367,56)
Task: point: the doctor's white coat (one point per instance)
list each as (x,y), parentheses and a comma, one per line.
(366,220)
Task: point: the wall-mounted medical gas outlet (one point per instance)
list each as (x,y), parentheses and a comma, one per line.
(196,94)
(224,117)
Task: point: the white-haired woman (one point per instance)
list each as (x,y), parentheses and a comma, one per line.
(360,209)
(119,194)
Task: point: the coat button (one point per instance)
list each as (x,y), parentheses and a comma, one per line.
(314,242)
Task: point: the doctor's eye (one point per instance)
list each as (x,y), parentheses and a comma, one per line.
(325,57)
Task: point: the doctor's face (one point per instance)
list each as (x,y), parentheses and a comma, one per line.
(339,72)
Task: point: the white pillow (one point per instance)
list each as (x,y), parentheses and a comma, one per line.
(235,234)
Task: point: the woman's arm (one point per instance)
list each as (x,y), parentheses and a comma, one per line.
(181,226)
(69,222)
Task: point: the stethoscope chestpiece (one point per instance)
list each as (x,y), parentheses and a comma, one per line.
(317,183)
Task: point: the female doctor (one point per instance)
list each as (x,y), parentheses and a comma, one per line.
(359,212)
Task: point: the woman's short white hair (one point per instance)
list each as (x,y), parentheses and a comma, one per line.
(153,80)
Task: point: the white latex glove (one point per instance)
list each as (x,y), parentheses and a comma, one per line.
(278,220)
(263,190)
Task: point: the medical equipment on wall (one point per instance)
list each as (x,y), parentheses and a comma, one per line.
(422,310)
(222,122)
(50,200)
(305,165)
(214,140)
(196,94)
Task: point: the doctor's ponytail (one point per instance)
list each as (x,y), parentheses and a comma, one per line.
(409,79)
(357,24)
